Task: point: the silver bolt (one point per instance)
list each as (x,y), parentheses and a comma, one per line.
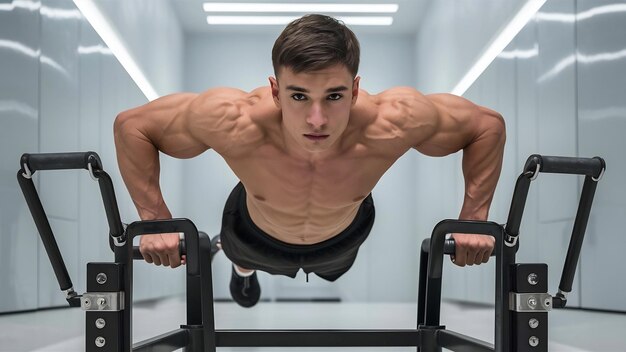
(102,302)
(533,323)
(86,303)
(533,341)
(100,341)
(100,323)
(101,278)
(532,279)
(532,302)
(547,301)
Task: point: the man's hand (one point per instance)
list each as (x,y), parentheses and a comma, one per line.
(472,249)
(161,249)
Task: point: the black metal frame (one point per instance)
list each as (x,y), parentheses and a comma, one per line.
(511,329)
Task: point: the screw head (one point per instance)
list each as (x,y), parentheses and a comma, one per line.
(533,341)
(86,303)
(532,279)
(533,323)
(100,341)
(547,301)
(100,323)
(102,302)
(532,302)
(101,278)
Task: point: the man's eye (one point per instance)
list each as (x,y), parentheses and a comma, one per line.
(298,97)
(335,96)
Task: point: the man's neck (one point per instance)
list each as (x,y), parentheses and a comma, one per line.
(293,149)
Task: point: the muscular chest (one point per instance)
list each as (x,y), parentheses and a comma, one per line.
(285,184)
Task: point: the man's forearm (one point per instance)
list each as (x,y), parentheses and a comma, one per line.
(482,163)
(138,160)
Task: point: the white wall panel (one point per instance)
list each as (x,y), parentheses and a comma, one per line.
(59,104)
(568,100)
(602,122)
(153,36)
(556,108)
(59,109)
(557,126)
(452,36)
(19,128)
(93,228)
(64,97)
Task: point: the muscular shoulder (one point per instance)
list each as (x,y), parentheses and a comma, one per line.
(230,120)
(401,114)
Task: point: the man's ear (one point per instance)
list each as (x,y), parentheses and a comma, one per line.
(274,87)
(355,89)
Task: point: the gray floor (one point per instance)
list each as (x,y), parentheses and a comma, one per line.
(62,329)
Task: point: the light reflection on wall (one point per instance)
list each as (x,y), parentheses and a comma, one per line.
(94,49)
(520,54)
(571,18)
(25,50)
(15,106)
(582,58)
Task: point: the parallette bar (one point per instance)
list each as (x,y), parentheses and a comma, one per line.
(566,165)
(60,161)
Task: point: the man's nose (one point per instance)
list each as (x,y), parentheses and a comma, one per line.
(316,117)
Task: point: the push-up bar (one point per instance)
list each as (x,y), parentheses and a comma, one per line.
(521,299)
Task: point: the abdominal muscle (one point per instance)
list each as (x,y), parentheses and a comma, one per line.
(299,229)
(301,203)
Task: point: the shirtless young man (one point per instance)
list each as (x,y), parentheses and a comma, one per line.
(308,150)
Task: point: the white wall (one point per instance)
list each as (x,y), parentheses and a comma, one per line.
(244,61)
(153,36)
(556,105)
(451,37)
(60,92)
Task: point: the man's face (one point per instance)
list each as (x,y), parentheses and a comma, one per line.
(315,105)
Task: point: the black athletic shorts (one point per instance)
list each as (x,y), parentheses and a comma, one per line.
(249,247)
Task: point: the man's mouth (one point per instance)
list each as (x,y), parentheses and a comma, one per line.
(316,136)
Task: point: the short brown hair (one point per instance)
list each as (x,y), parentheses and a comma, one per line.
(314,42)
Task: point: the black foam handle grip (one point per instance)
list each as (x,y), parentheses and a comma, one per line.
(566,165)
(448,246)
(182,250)
(60,161)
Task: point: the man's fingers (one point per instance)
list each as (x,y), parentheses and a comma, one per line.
(486,255)
(147,257)
(471,257)
(161,249)
(156,260)
(479,257)
(460,257)
(165,259)
(175,260)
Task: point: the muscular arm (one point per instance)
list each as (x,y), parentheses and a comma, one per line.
(139,135)
(182,126)
(480,133)
(444,124)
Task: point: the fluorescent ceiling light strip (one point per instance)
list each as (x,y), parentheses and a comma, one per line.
(498,44)
(283,20)
(112,40)
(286,7)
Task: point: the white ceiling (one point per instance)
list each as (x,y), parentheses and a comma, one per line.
(193,18)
